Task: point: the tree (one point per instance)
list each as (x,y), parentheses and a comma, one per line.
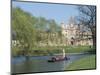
(31,31)
(88,18)
(22,25)
(54,31)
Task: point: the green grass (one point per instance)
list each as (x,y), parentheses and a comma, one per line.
(77,49)
(84,63)
(68,49)
(53,50)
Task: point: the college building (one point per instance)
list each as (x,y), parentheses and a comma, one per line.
(74,34)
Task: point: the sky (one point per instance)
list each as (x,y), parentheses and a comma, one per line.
(59,12)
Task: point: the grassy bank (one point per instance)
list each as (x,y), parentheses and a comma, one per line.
(77,49)
(84,63)
(57,50)
(52,50)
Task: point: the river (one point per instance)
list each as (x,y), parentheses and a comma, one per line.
(40,64)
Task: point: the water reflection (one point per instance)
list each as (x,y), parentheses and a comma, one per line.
(40,64)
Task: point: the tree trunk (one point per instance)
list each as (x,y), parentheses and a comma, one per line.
(26,53)
(94,39)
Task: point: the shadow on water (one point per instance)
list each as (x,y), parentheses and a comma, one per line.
(40,64)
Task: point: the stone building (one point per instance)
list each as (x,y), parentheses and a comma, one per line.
(74,34)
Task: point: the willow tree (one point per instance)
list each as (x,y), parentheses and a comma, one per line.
(22,24)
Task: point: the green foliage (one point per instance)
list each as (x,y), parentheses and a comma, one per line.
(41,24)
(30,31)
(15,51)
(53,26)
(22,24)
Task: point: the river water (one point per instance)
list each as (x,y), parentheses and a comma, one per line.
(40,64)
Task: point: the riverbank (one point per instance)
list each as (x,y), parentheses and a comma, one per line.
(44,51)
(88,62)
